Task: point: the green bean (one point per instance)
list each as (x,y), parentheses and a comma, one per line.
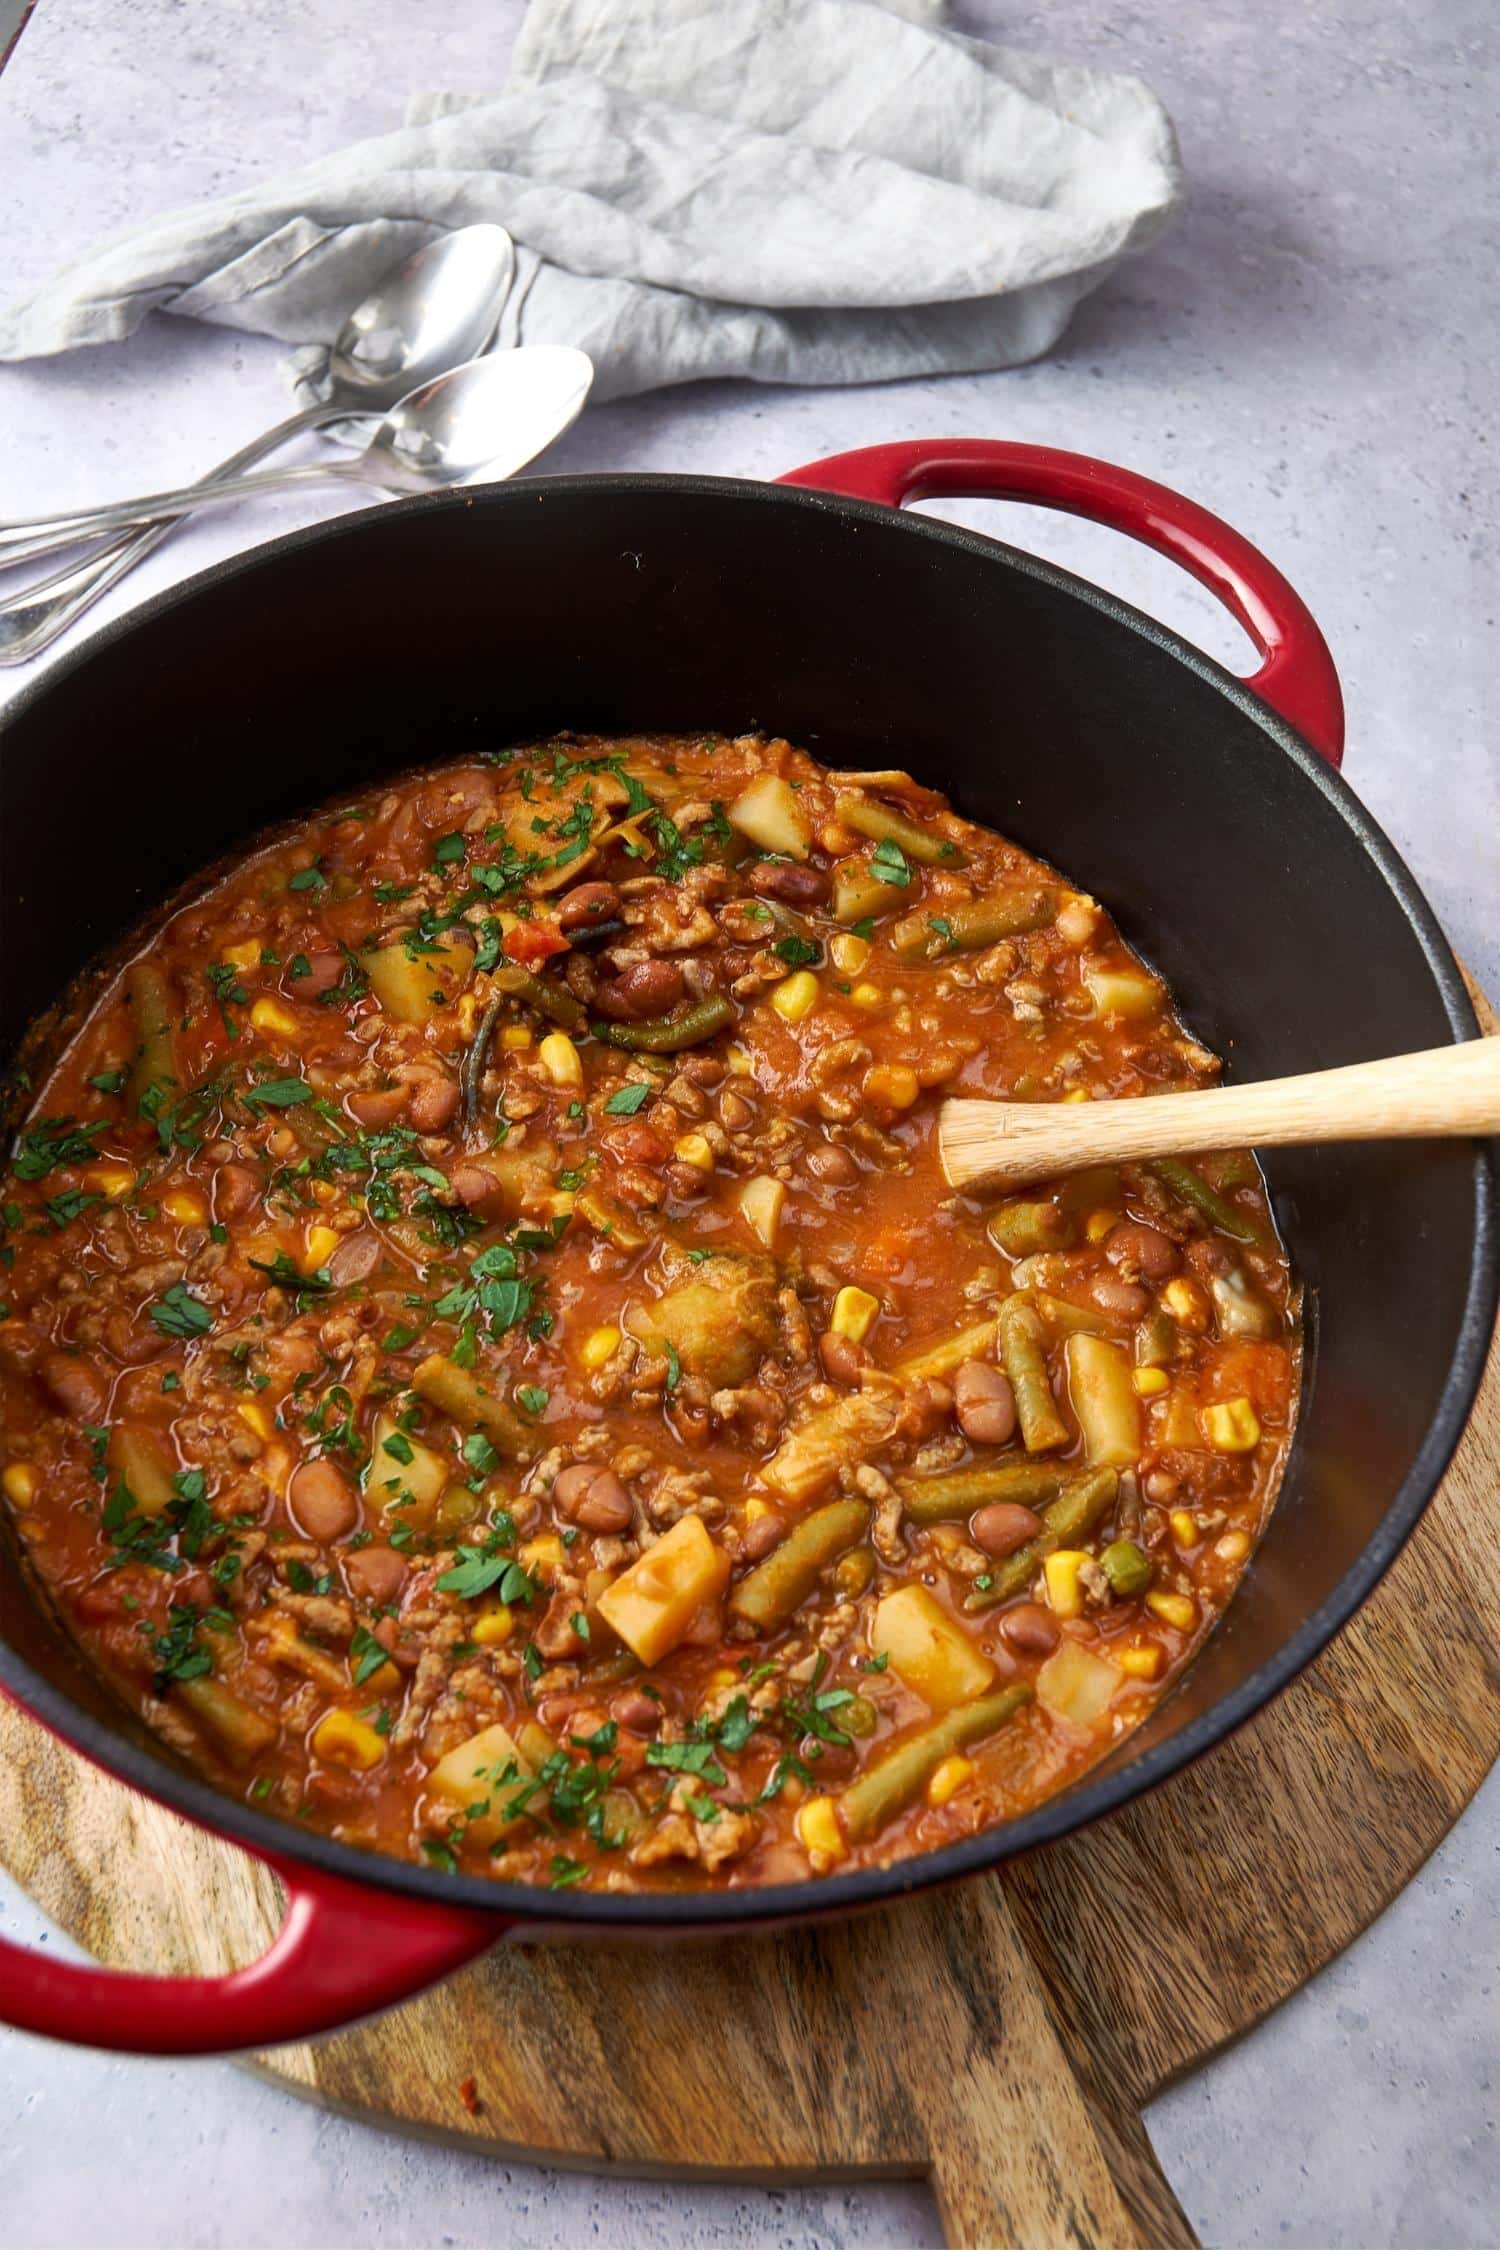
(1072,1515)
(154,1071)
(1189,1187)
(472,1067)
(867,818)
(1023,1230)
(1072,1320)
(453,1389)
(1156,1339)
(896,1780)
(1127,1567)
(665,1035)
(780,1584)
(548,998)
(1024,1358)
(951,1498)
(973,923)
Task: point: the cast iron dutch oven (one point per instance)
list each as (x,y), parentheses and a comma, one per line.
(1207,813)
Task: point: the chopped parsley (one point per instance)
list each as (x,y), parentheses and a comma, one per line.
(890,864)
(626,1100)
(797,952)
(178,1313)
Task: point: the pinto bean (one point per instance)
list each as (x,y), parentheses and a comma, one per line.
(376,1574)
(586,906)
(1030,1629)
(1141,1252)
(833,1165)
(355,1259)
(236,1190)
(431,1104)
(634,1709)
(1002,1527)
(322,1501)
(1126,1300)
(594,1498)
(984,1403)
(793,886)
(76,1384)
(842,1359)
(377,1106)
(323,973)
(645,988)
(761,1535)
(479,1189)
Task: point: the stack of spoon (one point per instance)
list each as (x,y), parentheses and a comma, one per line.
(410,355)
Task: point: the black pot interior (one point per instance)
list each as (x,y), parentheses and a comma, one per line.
(1283,922)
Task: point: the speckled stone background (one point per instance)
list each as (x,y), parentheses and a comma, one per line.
(1312,352)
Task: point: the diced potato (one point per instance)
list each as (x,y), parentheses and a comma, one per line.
(929,1649)
(811,1454)
(389,1475)
(140,1456)
(854,1313)
(1104,1400)
(859,896)
(719,1323)
(269,1015)
(652,1604)
(1077,1684)
(760,1201)
(1122,992)
(486,1770)
(413,986)
(767,811)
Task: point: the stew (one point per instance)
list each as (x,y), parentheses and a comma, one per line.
(490,1366)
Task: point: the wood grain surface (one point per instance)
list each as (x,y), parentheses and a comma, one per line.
(999,2037)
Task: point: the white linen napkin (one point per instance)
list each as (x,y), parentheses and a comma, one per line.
(798,191)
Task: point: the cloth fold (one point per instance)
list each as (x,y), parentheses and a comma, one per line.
(798,191)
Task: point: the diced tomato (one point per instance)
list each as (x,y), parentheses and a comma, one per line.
(534,941)
(1260,1372)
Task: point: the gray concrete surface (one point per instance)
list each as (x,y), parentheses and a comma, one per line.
(1313,353)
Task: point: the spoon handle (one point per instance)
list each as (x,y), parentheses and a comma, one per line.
(1446,1090)
(27,546)
(184,500)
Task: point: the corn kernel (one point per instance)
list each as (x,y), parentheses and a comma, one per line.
(720,1681)
(343,1740)
(246,956)
(818,1828)
(1150,1382)
(1064,1592)
(853,1314)
(109,1180)
(892,1084)
(186,1206)
(544,1553)
(1184,1527)
(321,1244)
(1179,1610)
(1078,1094)
(322,1191)
(1233,1427)
(514,1037)
(600,1348)
(948,1779)
(269,1015)
(755,1508)
(1183,1299)
(466,1014)
(1098,1224)
(692,1148)
(492,1626)
(848,952)
(19,1481)
(739,1061)
(1139,1663)
(867,996)
(1233,1547)
(560,1059)
(796,996)
(254,1416)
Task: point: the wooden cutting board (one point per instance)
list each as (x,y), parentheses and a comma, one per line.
(1000,2037)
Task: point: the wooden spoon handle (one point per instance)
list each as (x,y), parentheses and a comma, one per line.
(1445,1090)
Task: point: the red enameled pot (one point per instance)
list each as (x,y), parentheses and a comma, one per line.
(1205,811)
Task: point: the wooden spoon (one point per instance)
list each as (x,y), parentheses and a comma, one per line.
(1447,1090)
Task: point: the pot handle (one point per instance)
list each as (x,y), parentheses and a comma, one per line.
(344,1950)
(1297,678)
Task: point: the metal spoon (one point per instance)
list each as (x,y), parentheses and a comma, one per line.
(435,311)
(484,421)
